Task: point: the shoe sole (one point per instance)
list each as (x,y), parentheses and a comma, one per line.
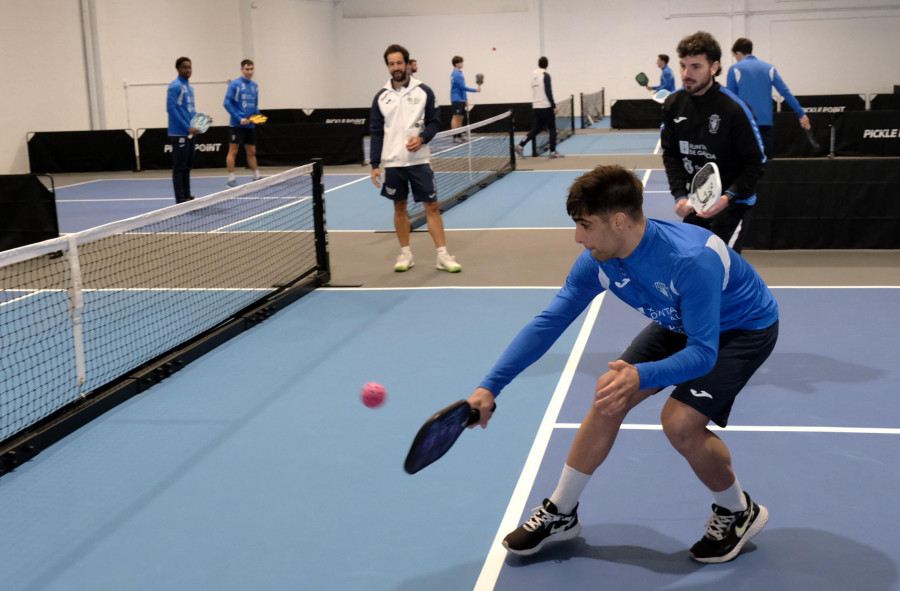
(454,270)
(560,537)
(754,529)
(404,269)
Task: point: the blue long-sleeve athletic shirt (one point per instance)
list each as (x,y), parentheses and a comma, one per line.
(666,80)
(752,79)
(458,88)
(680,276)
(241,101)
(180,106)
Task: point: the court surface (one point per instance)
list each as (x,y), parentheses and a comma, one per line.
(257,466)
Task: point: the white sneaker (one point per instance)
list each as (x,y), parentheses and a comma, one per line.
(404,262)
(555,154)
(445,262)
(520,150)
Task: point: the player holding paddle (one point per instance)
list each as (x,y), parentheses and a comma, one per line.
(242,103)
(714,322)
(704,123)
(181,111)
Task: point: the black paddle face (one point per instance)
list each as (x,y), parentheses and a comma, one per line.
(438,435)
(642,79)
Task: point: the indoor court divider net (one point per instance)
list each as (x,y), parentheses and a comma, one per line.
(83,312)
(467,159)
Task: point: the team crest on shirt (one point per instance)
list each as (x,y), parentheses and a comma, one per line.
(661,287)
(714,122)
(413,100)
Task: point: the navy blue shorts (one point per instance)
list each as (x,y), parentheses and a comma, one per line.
(741,352)
(458,107)
(398,179)
(242,135)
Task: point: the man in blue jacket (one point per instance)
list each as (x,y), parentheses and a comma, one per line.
(713,323)
(242,101)
(180,107)
(459,97)
(753,79)
(666,78)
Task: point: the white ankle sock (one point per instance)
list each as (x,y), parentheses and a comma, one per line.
(732,498)
(442,250)
(571,484)
(230,176)
(405,250)
(255,175)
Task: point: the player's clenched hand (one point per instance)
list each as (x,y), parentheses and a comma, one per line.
(683,207)
(376,175)
(483,400)
(721,204)
(615,387)
(414,143)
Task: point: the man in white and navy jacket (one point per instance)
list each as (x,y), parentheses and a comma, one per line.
(404,119)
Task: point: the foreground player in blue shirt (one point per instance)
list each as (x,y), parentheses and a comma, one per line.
(714,322)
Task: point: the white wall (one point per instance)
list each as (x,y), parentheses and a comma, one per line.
(45,87)
(328,53)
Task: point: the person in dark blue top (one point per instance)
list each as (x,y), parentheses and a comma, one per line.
(713,323)
(705,122)
(666,78)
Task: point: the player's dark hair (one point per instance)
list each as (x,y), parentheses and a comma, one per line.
(396,49)
(606,190)
(743,45)
(180,61)
(664,58)
(457,59)
(542,63)
(701,43)
(246,63)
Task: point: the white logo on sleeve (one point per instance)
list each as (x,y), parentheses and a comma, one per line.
(680,119)
(700,394)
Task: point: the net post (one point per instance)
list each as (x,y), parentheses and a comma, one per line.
(581,106)
(572,102)
(512,141)
(322,261)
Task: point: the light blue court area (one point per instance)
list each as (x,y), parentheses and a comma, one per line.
(257,466)
(92,204)
(607,143)
(521,199)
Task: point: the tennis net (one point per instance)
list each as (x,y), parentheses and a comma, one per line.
(592,107)
(565,126)
(86,310)
(467,159)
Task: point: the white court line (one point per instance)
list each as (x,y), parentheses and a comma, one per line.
(487,579)
(761,429)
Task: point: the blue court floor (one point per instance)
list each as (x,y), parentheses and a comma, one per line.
(257,466)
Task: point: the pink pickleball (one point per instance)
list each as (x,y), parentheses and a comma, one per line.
(373,394)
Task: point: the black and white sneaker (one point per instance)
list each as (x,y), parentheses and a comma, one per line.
(727,532)
(546,525)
